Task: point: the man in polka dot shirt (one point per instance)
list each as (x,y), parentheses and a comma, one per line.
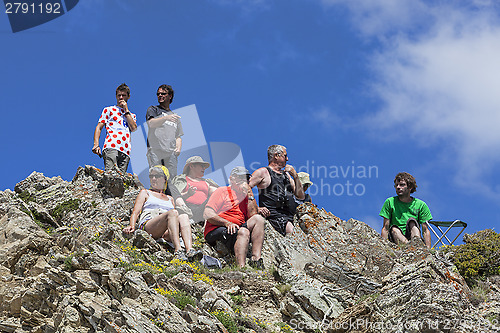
(119,122)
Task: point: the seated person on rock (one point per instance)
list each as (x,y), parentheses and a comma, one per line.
(233,219)
(278,183)
(158,216)
(403,214)
(194,189)
(306,182)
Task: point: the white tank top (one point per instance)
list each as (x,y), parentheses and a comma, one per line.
(156,203)
(153,204)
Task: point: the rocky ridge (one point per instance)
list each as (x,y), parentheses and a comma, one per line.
(66,266)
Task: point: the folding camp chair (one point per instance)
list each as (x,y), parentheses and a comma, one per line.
(448,225)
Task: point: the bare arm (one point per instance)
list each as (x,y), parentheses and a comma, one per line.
(298,190)
(178,146)
(427,235)
(131,123)
(385,228)
(211,216)
(130,120)
(157,122)
(261,179)
(97,133)
(139,203)
(252,205)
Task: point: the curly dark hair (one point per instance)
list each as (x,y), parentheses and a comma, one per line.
(169,90)
(123,87)
(409,179)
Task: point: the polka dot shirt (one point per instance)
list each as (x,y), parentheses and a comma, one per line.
(118,136)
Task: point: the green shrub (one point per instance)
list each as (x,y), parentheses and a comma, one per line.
(284,288)
(65,207)
(180,298)
(237,299)
(26,196)
(226,320)
(479,257)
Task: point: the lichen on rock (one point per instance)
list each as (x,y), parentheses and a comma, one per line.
(66,266)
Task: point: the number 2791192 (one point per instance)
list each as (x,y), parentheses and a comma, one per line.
(31,8)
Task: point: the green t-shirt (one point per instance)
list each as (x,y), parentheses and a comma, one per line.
(399,212)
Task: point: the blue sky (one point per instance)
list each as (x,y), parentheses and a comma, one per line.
(380,85)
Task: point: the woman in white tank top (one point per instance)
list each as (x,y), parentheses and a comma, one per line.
(156,214)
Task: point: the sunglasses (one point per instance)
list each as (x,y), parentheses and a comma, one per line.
(156,176)
(161,94)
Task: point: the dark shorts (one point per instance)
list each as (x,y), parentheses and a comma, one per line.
(221,234)
(407,233)
(279,223)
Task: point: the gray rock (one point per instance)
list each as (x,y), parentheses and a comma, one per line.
(88,276)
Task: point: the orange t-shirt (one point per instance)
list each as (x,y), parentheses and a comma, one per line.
(225,204)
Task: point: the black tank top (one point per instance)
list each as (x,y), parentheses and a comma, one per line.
(276,197)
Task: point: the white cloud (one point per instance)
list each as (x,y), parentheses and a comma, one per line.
(378,17)
(439,83)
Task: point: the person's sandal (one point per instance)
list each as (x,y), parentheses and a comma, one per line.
(180,255)
(257,264)
(194,255)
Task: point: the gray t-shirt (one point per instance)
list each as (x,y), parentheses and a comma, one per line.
(163,137)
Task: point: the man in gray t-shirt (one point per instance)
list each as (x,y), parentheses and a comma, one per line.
(165,131)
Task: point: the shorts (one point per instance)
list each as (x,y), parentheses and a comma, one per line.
(114,157)
(197,211)
(407,233)
(221,234)
(169,160)
(279,223)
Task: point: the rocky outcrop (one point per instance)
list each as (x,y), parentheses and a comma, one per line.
(66,266)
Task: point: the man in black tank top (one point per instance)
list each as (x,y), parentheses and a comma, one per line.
(278,183)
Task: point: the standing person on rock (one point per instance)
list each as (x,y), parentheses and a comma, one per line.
(164,131)
(119,122)
(403,214)
(155,213)
(278,183)
(233,219)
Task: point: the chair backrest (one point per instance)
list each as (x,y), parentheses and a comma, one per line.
(448,225)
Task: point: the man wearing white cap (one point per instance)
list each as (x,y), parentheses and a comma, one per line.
(233,219)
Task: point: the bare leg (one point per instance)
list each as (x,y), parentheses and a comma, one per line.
(415,231)
(186,235)
(157,226)
(256,227)
(173,228)
(241,246)
(398,236)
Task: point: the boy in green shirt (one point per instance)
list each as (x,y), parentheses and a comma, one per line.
(404,214)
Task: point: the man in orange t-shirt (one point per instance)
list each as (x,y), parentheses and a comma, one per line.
(233,219)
